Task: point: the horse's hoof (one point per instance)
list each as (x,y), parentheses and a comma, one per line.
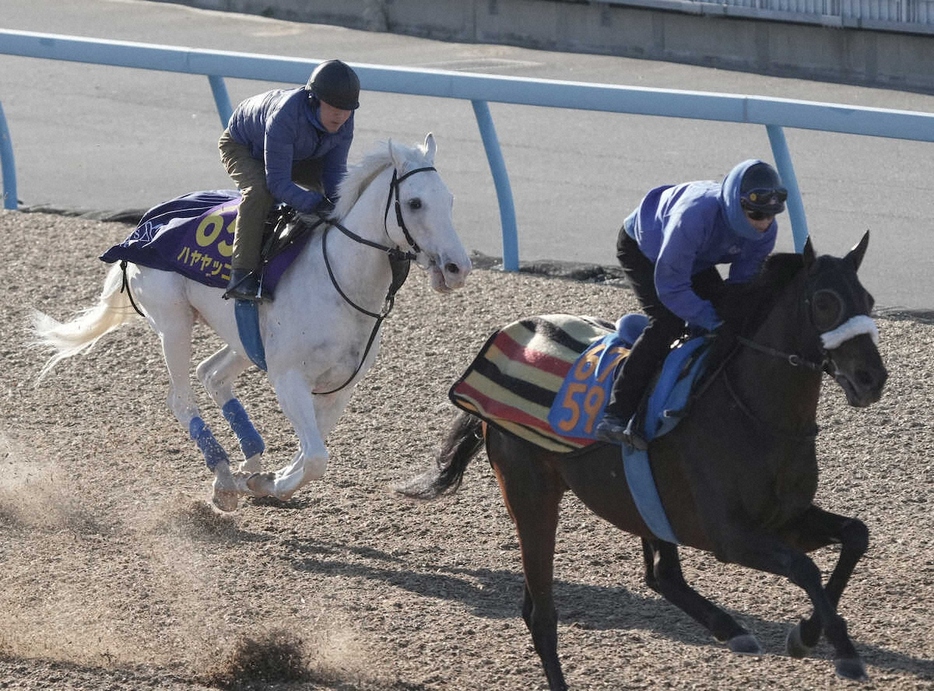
(794,645)
(851,668)
(254,464)
(225,495)
(745,644)
(287,485)
(261,484)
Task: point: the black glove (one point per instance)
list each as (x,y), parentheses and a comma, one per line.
(724,333)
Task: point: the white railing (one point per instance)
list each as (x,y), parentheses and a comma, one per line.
(886,15)
(773,113)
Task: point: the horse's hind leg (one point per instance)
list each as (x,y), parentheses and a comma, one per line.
(217,374)
(818,528)
(174,323)
(532,494)
(663,575)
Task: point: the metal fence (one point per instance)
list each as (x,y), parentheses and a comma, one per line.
(773,113)
(914,16)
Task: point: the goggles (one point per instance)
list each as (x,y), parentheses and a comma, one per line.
(761,203)
(758,215)
(764,198)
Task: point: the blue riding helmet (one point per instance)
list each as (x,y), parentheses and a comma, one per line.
(761,190)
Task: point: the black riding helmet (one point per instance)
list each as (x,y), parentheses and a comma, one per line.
(335,83)
(761,190)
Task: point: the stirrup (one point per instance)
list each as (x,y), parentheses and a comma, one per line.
(244,285)
(614,430)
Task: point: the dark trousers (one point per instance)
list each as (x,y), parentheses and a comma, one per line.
(649,351)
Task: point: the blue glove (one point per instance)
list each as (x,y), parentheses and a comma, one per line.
(324,208)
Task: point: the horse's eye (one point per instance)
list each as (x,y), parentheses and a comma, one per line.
(415,203)
(827,309)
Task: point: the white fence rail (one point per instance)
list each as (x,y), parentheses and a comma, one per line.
(773,113)
(883,15)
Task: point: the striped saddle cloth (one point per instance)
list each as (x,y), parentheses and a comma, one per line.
(516,378)
(547,379)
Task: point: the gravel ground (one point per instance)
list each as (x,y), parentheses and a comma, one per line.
(117,574)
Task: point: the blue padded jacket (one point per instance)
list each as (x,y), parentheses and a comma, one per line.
(282,127)
(684,229)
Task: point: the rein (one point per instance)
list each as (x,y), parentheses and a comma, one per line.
(774,430)
(792,359)
(396,258)
(859,324)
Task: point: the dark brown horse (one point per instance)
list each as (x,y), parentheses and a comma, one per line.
(737,476)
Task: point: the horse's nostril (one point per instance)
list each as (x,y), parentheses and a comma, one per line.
(452,268)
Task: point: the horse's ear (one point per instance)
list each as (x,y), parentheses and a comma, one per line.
(430,149)
(808,253)
(397,159)
(855,255)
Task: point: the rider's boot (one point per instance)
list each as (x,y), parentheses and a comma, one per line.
(243,285)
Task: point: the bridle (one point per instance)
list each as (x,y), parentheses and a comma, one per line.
(394,191)
(792,359)
(840,331)
(399,263)
(832,335)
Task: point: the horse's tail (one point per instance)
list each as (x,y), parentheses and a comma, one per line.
(113,310)
(464,440)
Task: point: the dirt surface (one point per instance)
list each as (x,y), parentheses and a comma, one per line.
(117,574)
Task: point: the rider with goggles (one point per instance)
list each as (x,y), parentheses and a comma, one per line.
(669,248)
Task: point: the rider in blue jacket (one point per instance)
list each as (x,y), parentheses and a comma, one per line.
(669,248)
(286,146)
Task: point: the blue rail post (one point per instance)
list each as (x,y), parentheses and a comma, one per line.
(221,98)
(7,165)
(799,225)
(507,209)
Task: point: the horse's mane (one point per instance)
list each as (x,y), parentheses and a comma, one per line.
(744,306)
(361,174)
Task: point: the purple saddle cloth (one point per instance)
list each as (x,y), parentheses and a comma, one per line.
(193,235)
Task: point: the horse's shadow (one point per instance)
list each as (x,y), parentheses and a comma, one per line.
(496,594)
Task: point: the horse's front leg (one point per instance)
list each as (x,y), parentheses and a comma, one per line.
(767,552)
(818,528)
(312,417)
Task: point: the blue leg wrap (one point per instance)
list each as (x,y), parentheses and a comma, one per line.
(250,441)
(213,452)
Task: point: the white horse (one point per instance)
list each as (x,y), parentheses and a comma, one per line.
(320,334)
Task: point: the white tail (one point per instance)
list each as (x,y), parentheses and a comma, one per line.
(113,310)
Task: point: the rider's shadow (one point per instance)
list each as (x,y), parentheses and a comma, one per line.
(497,594)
